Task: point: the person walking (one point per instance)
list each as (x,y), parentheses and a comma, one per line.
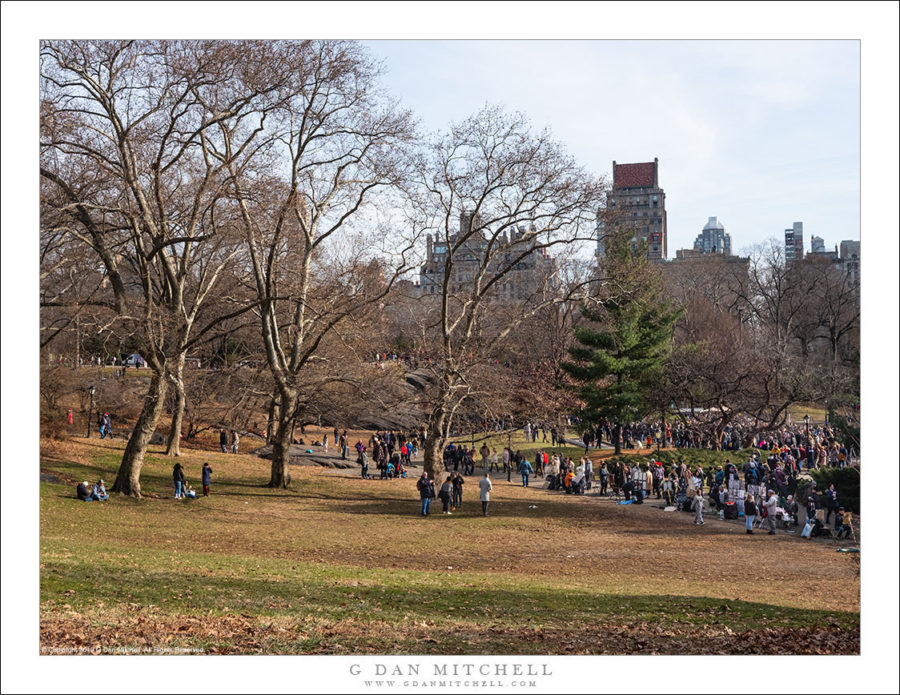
(235,441)
(457,481)
(426,492)
(223,441)
(445,494)
(485,486)
(206,474)
(771,506)
(525,470)
(70,418)
(178,479)
(697,506)
(362,459)
(343,444)
(749,513)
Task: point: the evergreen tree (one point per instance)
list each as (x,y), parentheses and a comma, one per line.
(622,350)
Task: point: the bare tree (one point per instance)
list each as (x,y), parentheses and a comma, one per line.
(517,197)
(306,198)
(127,146)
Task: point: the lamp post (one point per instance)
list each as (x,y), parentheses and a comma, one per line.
(662,432)
(808,443)
(90,410)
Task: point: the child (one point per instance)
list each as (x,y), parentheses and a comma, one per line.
(206,474)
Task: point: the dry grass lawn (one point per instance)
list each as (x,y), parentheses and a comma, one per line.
(339,564)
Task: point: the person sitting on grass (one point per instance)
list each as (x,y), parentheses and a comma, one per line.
(83,491)
(841,527)
(99,491)
(791,510)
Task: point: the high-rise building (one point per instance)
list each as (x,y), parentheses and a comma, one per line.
(850,257)
(522,281)
(637,201)
(816,244)
(714,238)
(793,243)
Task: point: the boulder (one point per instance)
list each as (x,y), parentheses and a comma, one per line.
(299,457)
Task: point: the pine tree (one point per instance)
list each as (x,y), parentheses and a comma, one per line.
(621,352)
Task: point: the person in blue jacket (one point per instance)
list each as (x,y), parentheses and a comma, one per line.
(206,474)
(525,470)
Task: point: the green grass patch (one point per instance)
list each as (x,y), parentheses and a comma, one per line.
(337,564)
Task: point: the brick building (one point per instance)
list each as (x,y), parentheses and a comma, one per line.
(636,200)
(521,282)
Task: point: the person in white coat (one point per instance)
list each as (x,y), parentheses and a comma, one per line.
(771,506)
(485,486)
(697,504)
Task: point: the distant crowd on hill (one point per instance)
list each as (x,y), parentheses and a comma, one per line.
(817,447)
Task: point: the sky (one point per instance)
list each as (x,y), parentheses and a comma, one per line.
(760,134)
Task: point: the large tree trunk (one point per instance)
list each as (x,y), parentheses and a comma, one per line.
(281,441)
(434,447)
(270,423)
(128,479)
(173,445)
(617,438)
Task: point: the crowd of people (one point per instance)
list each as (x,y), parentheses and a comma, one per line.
(811,446)
(763,490)
(392,452)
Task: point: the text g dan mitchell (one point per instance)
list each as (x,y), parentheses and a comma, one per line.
(512,669)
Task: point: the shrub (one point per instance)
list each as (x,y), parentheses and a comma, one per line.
(691,457)
(846,482)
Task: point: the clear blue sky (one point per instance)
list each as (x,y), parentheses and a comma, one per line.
(758,133)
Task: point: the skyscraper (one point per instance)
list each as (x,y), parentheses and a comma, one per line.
(793,243)
(714,238)
(816,244)
(637,201)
